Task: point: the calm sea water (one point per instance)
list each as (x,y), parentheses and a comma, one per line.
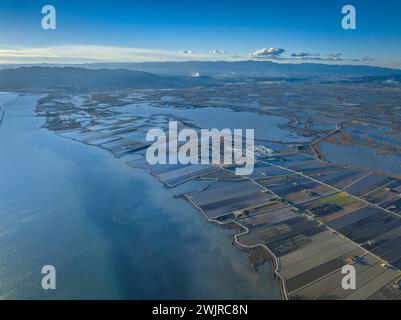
(112,232)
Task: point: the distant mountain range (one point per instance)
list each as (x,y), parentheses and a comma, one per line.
(249,68)
(81,78)
(182,74)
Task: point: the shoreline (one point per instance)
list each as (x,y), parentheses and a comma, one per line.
(273,260)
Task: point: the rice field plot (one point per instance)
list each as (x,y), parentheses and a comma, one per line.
(373,285)
(276,180)
(266,233)
(388,197)
(189,172)
(222,175)
(137,135)
(101,139)
(367,184)
(284,159)
(385,242)
(225,197)
(269,209)
(320,288)
(70,133)
(88,135)
(79,134)
(282,230)
(343,221)
(374,229)
(110,124)
(259,212)
(296,157)
(372,215)
(269,218)
(173,175)
(327,265)
(295,238)
(329,287)
(126,130)
(394,206)
(281,238)
(306,166)
(396,264)
(389,250)
(332,206)
(372,279)
(121,148)
(397,186)
(297,189)
(263,171)
(383,197)
(310,191)
(155,169)
(345,249)
(387,292)
(319,243)
(110,128)
(284,185)
(336,176)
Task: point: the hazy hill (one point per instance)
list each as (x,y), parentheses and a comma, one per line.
(83,78)
(238,69)
(248,69)
(68,77)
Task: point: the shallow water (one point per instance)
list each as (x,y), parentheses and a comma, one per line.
(266,127)
(111,231)
(362,157)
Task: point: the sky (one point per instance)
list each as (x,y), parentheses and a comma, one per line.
(170,30)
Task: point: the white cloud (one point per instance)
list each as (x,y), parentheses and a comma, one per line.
(334,56)
(268,53)
(187,52)
(367,59)
(235,56)
(94,53)
(340,57)
(217,52)
(304,55)
(91,53)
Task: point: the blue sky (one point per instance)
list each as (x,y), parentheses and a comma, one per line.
(93,31)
